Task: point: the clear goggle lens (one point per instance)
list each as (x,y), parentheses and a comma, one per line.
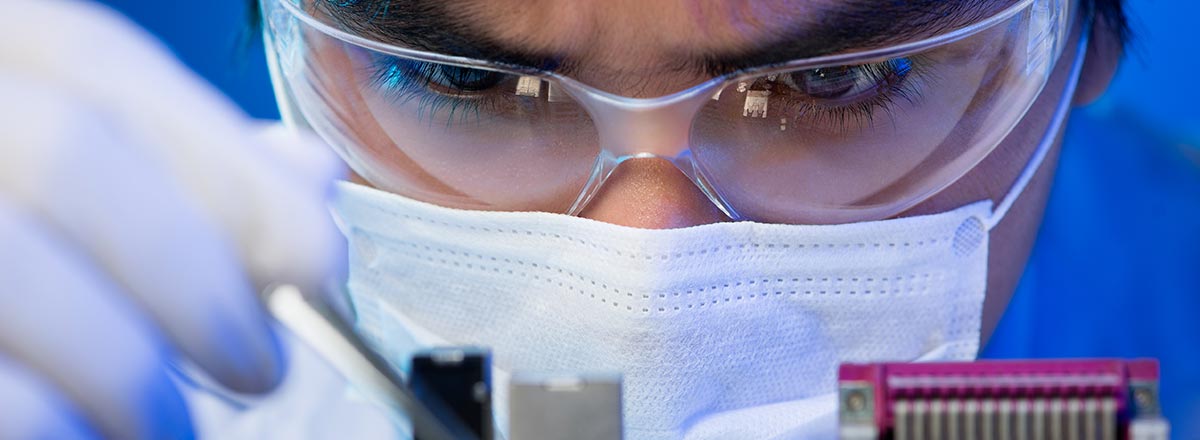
(837,139)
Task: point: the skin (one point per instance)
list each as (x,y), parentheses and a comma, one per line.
(623,39)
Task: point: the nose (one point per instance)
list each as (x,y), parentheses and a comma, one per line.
(651,193)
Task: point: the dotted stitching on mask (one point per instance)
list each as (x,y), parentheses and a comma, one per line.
(677,255)
(923,280)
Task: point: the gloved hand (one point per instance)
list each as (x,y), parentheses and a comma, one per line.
(139,215)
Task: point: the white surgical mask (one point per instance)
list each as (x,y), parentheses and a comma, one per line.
(721,331)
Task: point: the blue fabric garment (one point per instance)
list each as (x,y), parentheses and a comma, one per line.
(1115,271)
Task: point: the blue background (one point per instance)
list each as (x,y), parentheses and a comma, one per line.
(1116,270)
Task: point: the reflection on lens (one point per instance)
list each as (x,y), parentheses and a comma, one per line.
(815,143)
(856,142)
(453,135)
(455,95)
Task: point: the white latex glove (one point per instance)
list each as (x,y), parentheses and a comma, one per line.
(313,403)
(140,213)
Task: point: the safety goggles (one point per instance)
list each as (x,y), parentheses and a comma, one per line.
(837,138)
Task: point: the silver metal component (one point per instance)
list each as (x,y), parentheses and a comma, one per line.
(920,417)
(972,419)
(480,391)
(987,410)
(1005,422)
(756,104)
(1108,419)
(901,414)
(529,86)
(1022,422)
(937,411)
(1091,419)
(1057,410)
(447,355)
(575,406)
(953,413)
(1039,419)
(1149,429)
(856,411)
(1074,410)
(743,86)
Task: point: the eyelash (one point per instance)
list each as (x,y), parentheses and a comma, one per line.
(900,79)
(405,80)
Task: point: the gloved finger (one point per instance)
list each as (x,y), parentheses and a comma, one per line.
(311,156)
(67,165)
(347,418)
(63,319)
(302,150)
(275,216)
(31,409)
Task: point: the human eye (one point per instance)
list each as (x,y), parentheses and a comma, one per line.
(843,85)
(439,91)
(838,98)
(444,79)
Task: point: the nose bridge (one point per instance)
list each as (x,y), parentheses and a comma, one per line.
(651,193)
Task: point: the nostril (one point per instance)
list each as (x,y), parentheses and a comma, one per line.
(651,193)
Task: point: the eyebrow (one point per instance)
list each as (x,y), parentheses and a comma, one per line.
(859,25)
(429,25)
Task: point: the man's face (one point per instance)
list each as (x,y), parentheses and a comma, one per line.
(650,48)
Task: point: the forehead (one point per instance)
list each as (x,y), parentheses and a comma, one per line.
(690,40)
(641,27)
(702,26)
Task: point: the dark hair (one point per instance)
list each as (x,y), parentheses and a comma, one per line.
(1112,14)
